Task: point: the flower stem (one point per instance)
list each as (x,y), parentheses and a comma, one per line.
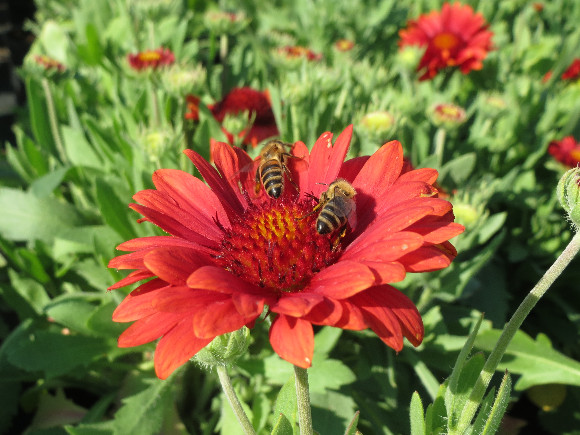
(234,401)
(53,120)
(303,398)
(510,330)
(439,145)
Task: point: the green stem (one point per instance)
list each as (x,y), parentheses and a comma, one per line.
(53,120)
(303,398)
(510,330)
(234,401)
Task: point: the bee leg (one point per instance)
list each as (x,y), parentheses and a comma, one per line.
(258,183)
(316,207)
(337,240)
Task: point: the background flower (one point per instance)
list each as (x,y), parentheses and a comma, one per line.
(231,252)
(151,59)
(566,151)
(453,37)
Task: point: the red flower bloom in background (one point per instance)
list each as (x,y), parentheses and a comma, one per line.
(297,51)
(256,103)
(571,73)
(230,252)
(456,36)
(344,45)
(48,63)
(566,151)
(151,59)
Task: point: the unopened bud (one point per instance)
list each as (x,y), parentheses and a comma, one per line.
(225,349)
(569,195)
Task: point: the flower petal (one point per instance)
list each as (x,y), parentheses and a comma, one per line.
(140,302)
(296,304)
(148,329)
(220,280)
(429,258)
(176,347)
(218,318)
(342,280)
(174,265)
(293,340)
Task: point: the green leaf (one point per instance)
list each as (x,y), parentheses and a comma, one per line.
(26,296)
(26,217)
(499,407)
(78,149)
(331,411)
(326,339)
(483,412)
(329,374)
(54,41)
(352,426)
(73,310)
(55,354)
(282,426)
(43,186)
(9,403)
(39,121)
(416,415)
(436,414)
(287,406)
(536,361)
(142,413)
(114,211)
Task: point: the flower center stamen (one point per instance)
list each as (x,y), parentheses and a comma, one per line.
(275,245)
(445,41)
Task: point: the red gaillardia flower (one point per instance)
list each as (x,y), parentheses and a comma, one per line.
(573,71)
(151,59)
(566,151)
(344,45)
(48,63)
(231,252)
(453,37)
(238,100)
(298,51)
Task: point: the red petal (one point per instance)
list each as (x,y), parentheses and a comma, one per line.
(426,175)
(437,232)
(293,340)
(186,191)
(380,318)
(342,280)
(296,304)
(175,265)
(132,278)
(383,247)
(220,280)
(218,318)
(407,313)
(148,329)
(352,317)
(185,300)
(386,272)
(158,242)
(352,167)
(339,151)
(248,305)
(140,302)
(318,160)
(228,163)
(428,258)
(327,312)
(176,348)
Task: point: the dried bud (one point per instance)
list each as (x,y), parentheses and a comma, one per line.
(569,195)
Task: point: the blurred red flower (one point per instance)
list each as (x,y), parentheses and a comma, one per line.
(297,51)
(152,59)
(453,37)
(48,63)
(238,100)
(344,45)
(573,71)
(566,151)
(230,252)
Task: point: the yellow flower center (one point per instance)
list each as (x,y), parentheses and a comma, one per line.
(149,56)
(446,41)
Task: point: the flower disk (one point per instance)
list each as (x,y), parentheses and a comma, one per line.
(275,245)
(232,252)
(453,37)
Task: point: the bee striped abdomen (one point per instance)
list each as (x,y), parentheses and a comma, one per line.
(272,178)
(330,218)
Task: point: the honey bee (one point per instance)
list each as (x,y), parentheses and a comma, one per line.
(337,207)
(270,172)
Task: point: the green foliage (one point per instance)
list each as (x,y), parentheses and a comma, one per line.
(91,136)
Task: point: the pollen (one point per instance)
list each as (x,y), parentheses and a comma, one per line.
(275,245)
(445,41)
(149,56)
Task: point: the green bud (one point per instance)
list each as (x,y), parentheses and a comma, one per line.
(569,195)
(224,349)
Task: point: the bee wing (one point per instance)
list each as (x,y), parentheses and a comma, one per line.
(352,215)
(246,176)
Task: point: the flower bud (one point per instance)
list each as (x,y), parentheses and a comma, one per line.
(224,349)
(547,396)
(569,194)
(447,115)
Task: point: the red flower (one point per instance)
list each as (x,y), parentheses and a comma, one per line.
(566,151)
(453,37)
(297,51)
(230,252)
(151,59)
(256,103)
(49,63)
(573,71)
(344,45)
